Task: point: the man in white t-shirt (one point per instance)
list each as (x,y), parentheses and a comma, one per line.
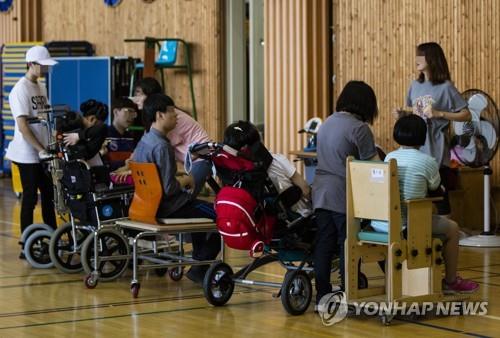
(27,99)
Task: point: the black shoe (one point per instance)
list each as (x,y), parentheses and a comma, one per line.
(21,255)
(197,273)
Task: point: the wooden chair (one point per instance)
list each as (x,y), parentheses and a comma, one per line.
(414,265)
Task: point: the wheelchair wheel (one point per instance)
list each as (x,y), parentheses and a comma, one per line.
(36,249)
(62,250)
(111,243)
(218,284)
(296,292)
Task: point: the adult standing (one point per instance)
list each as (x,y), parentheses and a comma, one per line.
(345,133)
(433,97)
(28,99)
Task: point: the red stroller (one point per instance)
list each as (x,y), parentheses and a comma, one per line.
(252,216)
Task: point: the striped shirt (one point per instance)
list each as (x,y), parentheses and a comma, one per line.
(417,173)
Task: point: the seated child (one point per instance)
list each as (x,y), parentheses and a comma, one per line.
(119,141)
(186,132)
(418,173)
(89,132)
(154,147)
(282,172)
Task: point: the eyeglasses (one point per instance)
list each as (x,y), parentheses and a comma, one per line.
(130,111)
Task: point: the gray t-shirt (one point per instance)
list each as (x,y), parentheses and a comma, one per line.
(155,148)
(340,136)
(443,97)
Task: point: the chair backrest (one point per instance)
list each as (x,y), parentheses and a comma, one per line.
(148,192)
(370,185)
(168,53)
(373,193)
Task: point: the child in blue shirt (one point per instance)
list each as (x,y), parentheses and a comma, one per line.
(418,173)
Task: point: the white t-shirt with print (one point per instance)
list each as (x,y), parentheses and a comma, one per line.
(280,172)
(27,99)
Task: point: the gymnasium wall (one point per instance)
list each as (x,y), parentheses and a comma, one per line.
(198,22)
(375,41)
(297,69)
(22,22)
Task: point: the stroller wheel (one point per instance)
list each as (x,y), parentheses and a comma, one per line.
(63,252)
(36,249)
(111,243)
(296,292)
(218,285)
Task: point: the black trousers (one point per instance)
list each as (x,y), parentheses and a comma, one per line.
(330,240)
(33,178)
(206,246)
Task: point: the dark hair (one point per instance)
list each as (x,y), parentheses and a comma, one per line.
(436,61)
(358,98)
(123,102)
(155,103)
(149,85)
(410,130)
(94,108)
(240,134)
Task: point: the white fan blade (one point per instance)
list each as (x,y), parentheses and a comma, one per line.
(477,103)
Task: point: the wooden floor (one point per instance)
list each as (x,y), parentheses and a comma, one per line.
(48,303)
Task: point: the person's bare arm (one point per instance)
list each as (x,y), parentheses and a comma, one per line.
(462,116)
(299,181)
(180,169)
(398,113)
(28,135)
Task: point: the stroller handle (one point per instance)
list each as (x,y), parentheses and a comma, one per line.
(198,147)
(207,149)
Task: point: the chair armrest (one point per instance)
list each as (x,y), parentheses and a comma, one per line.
(420,200)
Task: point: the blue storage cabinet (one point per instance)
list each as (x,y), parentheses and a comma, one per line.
(76,79)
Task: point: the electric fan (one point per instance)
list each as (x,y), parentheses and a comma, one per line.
(474,144)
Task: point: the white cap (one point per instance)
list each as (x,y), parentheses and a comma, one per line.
(40,55)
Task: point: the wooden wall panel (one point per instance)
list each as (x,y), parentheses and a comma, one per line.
(376,40)
(22,22)
(198,22)
(297,83)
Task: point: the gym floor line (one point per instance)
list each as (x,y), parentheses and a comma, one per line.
(130,315)
(147,313)
(115,304)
